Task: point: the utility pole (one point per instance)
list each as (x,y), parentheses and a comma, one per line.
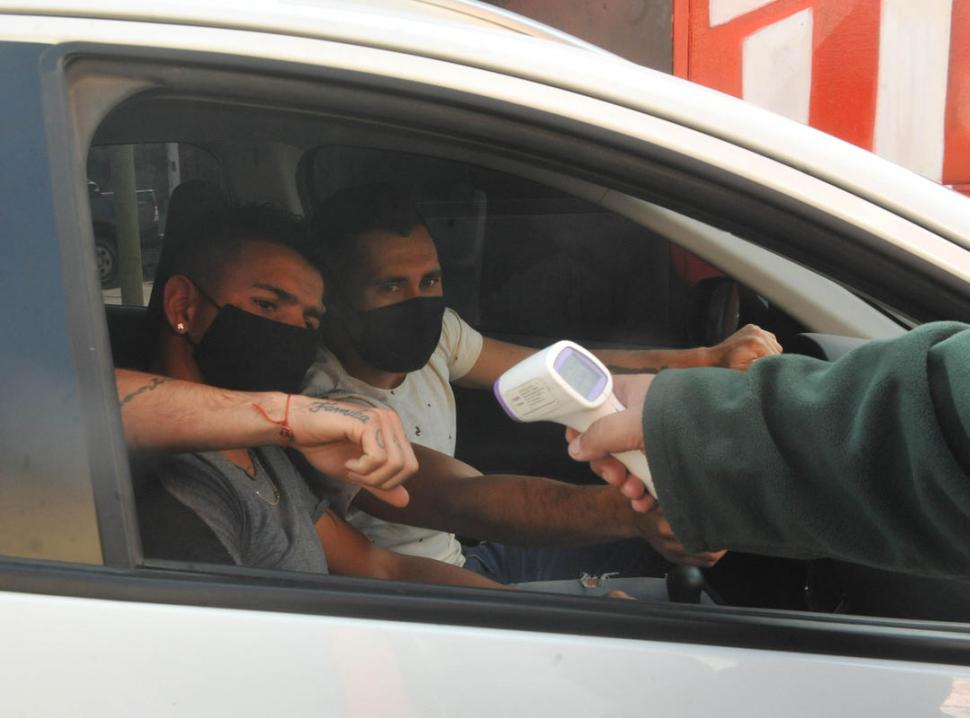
(174,168)
(122,159)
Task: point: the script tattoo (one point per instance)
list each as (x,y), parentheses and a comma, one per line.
(332,408)
(150,386)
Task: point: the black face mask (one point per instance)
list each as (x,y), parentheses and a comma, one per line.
(244,351)
(400,337)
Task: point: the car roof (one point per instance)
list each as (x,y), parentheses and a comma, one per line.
(305,17)
(477,35)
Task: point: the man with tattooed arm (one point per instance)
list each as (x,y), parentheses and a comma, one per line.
(241,310)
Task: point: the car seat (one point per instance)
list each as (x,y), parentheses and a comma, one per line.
(714,312)
(194,207)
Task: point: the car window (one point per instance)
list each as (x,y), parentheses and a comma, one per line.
(523,261)
(126,268)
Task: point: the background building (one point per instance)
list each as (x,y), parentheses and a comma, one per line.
(892,76)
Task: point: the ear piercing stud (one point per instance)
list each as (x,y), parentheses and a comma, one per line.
(180,328)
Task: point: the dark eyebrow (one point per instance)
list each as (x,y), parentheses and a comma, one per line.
(433,273)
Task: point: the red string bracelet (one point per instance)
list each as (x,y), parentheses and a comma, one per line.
(286,433)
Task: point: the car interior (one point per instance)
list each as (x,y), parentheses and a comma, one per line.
(538,242)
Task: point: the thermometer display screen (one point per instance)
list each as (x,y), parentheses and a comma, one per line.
(581,374)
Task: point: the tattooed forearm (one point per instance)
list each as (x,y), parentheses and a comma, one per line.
(629,370)
(332,408)
(150,386)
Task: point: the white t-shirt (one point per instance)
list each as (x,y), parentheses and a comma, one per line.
(426,405)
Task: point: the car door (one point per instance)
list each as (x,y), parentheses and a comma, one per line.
(94,628)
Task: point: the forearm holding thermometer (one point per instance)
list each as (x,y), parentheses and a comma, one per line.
(566,384)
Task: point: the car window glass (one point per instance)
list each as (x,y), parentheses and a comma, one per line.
(125,268)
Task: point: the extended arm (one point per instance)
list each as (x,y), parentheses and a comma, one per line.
(349,553)
(864,459)
(736,352)
(356,443)
(451,496)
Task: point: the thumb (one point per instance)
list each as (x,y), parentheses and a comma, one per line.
(610,435)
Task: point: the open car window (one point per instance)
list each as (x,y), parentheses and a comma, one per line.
(536,252)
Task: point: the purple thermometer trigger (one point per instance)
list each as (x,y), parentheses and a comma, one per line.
(501,401)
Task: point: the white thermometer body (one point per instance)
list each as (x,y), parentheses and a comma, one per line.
(566,384)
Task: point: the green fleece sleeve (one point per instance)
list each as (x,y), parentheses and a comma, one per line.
(865,459)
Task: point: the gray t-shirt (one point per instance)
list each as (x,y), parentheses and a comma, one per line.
(258,526)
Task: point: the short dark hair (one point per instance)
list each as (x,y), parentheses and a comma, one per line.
(208,236)
(350,212)
(217,241)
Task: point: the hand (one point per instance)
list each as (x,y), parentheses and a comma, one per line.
(631,389)
(614,434)
(655,528)
(743,347)
(355,443)
(652,524)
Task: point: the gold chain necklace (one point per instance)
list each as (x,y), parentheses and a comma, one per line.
(253,476)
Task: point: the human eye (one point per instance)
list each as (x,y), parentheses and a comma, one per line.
(265,305)
(389,288)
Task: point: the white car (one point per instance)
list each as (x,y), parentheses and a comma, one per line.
(572,194)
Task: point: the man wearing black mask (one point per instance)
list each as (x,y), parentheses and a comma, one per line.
(392,342)
(241,311)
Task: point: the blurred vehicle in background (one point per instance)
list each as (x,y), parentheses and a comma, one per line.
(104,220)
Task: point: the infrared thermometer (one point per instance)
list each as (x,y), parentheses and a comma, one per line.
(566,384)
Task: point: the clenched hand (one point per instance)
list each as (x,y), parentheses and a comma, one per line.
(747,344)
(355,443)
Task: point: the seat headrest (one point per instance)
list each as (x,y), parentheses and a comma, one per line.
(194,207)
(131,336)
(714,312)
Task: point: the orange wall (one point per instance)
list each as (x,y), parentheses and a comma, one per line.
(842,69)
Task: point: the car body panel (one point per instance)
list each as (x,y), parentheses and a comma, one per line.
(907,235)
(577,70)
(212,661)
(46,506)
